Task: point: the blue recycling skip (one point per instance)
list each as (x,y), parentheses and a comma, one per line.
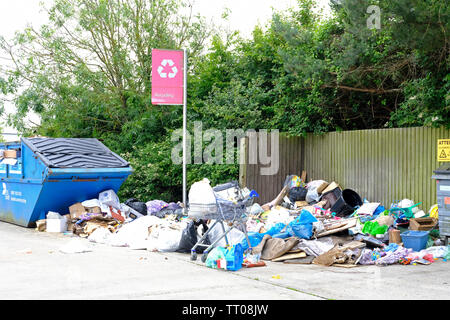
(51,174)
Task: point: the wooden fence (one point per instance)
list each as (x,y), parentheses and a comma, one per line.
(380,165)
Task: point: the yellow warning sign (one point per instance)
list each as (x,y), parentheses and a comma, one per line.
(443,150)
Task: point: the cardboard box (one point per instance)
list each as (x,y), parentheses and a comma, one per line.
(330,187)
(422,224)
(41,225)
(322,187)
(394,236)
(76,210)
(10,154)
(70,226)
(94,210)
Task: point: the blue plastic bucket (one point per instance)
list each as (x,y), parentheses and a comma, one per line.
(416,240)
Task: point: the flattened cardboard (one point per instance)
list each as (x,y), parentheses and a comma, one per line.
(351,222)
(305,260)
(290,256)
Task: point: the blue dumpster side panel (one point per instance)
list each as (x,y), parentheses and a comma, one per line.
(17,202)
(58,196)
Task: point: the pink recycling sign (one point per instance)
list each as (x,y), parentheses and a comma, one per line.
(167,77)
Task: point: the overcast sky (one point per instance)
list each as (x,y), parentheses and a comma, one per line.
(244,15)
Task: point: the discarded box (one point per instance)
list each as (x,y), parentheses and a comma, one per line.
(76,210)
(10,154)
(333,185)
(70,226)
(56,225)
(94,210)
(394,236)
(322,187)
(41,225)
(422,224)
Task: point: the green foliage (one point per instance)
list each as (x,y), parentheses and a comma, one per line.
(156,177)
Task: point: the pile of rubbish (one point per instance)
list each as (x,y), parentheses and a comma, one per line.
(154,225)
(307,223)
(321,223)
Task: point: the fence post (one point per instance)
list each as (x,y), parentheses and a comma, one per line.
(243,152)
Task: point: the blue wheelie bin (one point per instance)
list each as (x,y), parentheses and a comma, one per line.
(51,174)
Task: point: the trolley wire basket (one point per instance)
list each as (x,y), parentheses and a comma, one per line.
(233,213)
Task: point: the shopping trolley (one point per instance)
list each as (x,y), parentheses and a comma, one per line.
(233,213)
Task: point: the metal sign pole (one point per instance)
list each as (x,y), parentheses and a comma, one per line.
(184,131)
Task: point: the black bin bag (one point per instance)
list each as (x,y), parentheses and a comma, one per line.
(137,205)
(297,194)
(189,237)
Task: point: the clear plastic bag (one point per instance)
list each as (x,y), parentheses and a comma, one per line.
(109,198)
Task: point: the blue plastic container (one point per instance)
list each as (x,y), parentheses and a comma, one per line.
(416,240)
(235,257)
(52,174)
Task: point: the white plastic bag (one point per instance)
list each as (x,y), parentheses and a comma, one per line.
(314,184)
(202,193)
(255,209)
(235,236)
(91,203)
(134,232)
(254,226)
(406,203)
(167,241)
(100,235)
(278,216)
(368,208)
(318,226)
(312,195)
(419,214)
(436,251)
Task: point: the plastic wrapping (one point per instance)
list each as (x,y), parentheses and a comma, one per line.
(109,198)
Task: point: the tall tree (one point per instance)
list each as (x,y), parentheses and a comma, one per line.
(88,71)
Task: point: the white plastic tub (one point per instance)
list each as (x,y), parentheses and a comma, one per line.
(56,225)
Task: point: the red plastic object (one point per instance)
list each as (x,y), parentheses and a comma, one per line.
(252,265)
(117,214)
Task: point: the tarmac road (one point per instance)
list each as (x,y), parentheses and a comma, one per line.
(32,267)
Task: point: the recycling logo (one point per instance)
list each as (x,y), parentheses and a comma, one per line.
(173,69)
